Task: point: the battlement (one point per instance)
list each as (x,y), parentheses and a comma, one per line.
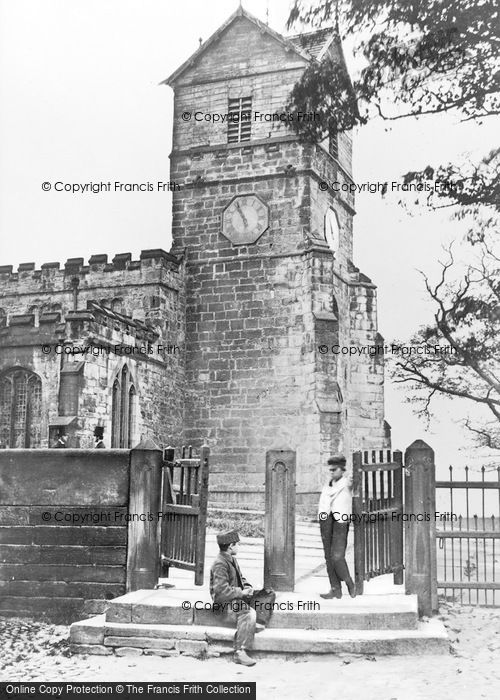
(95,319)
(29,319)
(155,258)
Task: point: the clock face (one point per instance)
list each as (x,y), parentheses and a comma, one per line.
(332,230)
(245,219)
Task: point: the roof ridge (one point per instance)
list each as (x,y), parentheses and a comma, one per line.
(240,12)
(314,31)
(317,42)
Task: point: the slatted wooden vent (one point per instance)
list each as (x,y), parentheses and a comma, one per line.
(239,123)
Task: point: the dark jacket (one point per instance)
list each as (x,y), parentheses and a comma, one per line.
(226,580)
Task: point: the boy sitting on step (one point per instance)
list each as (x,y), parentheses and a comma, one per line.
(232,594)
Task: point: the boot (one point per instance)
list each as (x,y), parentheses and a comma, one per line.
(241,657)
(351,588)
(332,593)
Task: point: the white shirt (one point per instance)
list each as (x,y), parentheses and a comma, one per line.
(336,497)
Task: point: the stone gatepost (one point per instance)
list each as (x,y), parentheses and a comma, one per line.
(279,526)
(143,549)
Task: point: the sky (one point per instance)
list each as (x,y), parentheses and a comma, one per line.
(82,102)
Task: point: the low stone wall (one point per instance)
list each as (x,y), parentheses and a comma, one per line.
(63,531)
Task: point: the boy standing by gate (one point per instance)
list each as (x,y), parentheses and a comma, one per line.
(334,511)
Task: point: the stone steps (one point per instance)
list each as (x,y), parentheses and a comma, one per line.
(194,607)
(100,637)
(171,621)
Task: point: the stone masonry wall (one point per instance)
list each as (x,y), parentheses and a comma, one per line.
(150,289)
(138,288)
(255,314)
(64,566)
(366,398)
(247,373)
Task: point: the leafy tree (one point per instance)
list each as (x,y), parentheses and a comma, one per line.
(435,55)
(326,89)
(428,57)
(422,57)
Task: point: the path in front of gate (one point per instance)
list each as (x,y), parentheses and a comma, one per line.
(310,569)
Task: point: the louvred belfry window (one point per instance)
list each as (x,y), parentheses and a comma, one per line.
(20,408)
(239,124)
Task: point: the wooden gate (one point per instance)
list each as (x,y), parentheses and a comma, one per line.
(184,511)
(377,511)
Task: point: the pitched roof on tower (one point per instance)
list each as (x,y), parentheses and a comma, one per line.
(309,46)
(316,43)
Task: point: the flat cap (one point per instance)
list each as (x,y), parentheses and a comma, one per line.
(337,459)
(227,537)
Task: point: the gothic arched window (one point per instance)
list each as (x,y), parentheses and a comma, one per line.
(123,410)
(131,415)
(115,415)
(20,408)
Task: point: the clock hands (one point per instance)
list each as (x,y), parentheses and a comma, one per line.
(240,211)
(244,219)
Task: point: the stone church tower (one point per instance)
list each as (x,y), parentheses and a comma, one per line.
(269,276)
(223,338)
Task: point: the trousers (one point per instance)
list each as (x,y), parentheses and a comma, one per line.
(334,537)
(245,617)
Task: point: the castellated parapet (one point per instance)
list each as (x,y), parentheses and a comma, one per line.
(138,288)
(99,346)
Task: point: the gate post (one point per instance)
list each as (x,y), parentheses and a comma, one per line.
(420,535)
(359,536)
(143,551)
(202,518)
(396,528)
(279,522)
